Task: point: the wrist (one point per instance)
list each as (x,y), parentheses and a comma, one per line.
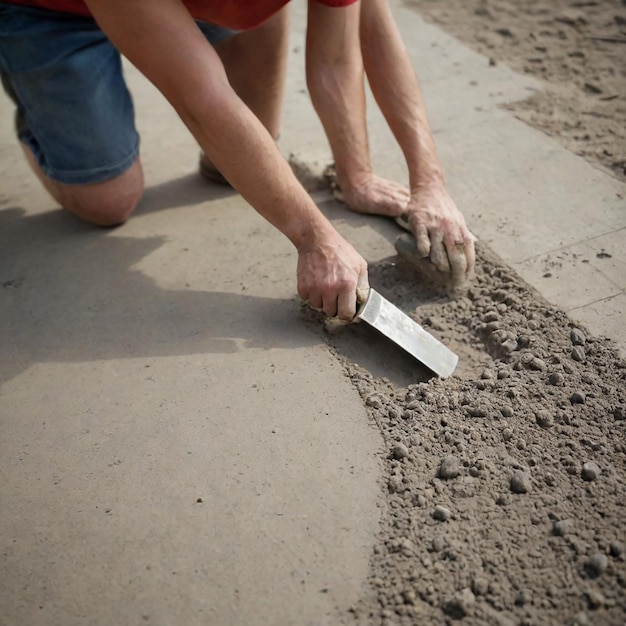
(353,176)
(309,232)
(433,179)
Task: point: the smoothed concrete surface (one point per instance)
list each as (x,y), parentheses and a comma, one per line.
(164,362)
(146,368)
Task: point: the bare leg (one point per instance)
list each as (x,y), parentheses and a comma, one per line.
(256,66)
(109,203)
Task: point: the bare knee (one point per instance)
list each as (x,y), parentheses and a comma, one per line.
(104,210)
(109,203)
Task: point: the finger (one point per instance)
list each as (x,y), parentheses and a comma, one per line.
(330,306)
(362,288)
(363,283)
(422,239)
(438,254)
(315,302)
(346,305)
(470,252)
(457,259)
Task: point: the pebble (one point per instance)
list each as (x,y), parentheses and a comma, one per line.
(562,528)
(506,411)
(509,345)
(394,484)
(507,434)
(577,398)
(450,467)
(544,418)
(502,499)
(480,586)
(522,597)
(520,482)
(596,565)
(616,548)
(595,599)
(580,619)
(590,471)
(556,378)
(577,337)
(533,325)
(441,513)
(504,372)
(438,544)
(537,364)
(407,546)
(460,605)
(476,411)
(399,451)
(420,500)
(393,413)
(578,354)
(374,400)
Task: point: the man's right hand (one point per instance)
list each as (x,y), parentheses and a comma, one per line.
(330,271)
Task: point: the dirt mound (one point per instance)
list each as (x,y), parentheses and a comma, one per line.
(504,485)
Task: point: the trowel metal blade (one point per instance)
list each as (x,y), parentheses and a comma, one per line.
(389,320)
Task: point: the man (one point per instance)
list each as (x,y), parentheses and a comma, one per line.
(60,64)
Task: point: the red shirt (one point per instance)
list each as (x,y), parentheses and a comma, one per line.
(234,14)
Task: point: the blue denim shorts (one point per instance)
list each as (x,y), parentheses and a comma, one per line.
(73,109)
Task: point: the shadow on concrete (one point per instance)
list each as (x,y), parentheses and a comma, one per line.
(184,191)
(69,293)
(363,345)
(336,211)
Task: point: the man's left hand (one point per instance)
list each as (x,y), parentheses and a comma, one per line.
(440,231)
(437,224)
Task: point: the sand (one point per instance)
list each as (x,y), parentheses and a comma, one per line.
(503,486)
(578,47)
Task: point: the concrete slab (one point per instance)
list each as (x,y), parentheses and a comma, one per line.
(567,277)
(588,279)
(606,317)
(165,362)
(150,367)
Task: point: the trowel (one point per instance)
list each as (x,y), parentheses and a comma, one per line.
(389,320)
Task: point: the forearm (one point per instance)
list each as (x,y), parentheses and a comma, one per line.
(396,90)
(334,70)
